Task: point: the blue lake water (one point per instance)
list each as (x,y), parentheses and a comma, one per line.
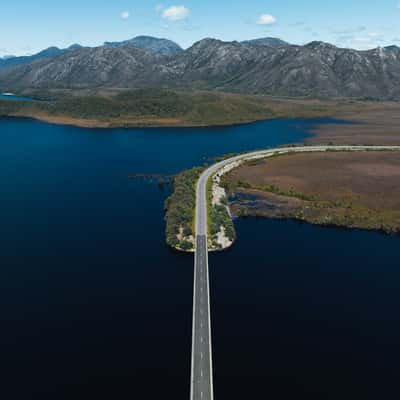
(13,97)
(94,305)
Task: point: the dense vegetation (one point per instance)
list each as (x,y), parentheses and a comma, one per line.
(158,103)
(143,107)
(162,107)
(180,210)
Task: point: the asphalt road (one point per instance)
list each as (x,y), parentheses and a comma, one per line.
(202,385)
(201,374)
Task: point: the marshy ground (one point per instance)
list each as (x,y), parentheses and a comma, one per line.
(353,189)
(374,123)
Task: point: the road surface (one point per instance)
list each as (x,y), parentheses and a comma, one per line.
(202,377)
(201,374)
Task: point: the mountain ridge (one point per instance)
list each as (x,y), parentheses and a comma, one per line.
(161,46)
(317,69)
(267,41)
(50,52)
(164,47)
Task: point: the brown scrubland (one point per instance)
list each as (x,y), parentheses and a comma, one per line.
(352,189)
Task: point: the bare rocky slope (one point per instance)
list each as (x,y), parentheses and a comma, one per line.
(88,67)
(162,47)
(315,70)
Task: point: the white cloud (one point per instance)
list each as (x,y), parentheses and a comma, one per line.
(266,19)
(125,14)
(175,13)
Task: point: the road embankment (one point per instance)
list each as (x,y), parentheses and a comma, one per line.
(218,178)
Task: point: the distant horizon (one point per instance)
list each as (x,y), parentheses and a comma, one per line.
(5,56)
(357,24)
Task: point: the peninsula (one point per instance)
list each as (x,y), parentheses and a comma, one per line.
(349,186)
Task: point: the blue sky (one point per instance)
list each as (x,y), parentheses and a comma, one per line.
(27,27)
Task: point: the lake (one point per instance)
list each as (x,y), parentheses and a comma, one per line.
(95,305)
(13,97)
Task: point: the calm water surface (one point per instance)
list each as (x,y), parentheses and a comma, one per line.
(94,305)
(13,97)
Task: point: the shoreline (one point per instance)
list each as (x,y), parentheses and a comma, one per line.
(327,226)
(349,130)
(243,212)
(356,120)
(314,189)
(145,124)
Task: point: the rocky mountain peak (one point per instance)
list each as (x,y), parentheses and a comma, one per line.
(321,46)
(268,41)
(163,47)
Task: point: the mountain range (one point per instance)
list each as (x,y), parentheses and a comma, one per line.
(163,47)
(12,61)
(264,66)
